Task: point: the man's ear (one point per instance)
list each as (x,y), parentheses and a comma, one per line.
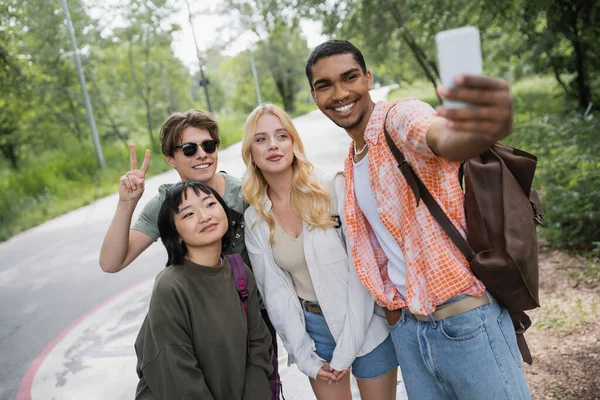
(369,79)
(171,161)
(314,96)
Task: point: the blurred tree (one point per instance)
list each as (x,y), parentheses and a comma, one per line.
(213,60)
(284,55)
(518,36)
(38,74)
(281,49)
(237,78)
(563,35)
(144,33)
(11,76)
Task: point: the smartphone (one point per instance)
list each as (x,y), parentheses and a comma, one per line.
(459,53)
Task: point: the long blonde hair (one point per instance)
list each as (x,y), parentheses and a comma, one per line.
(309,199)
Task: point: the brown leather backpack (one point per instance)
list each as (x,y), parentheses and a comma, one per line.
(501,211)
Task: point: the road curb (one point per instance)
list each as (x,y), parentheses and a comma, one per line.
(27,382)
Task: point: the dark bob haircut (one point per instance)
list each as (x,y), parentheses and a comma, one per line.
(333,48)
(176,248)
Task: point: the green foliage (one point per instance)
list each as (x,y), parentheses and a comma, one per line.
(519,37)
(568,151)
(231,126)
(568,176)
(281,51)
(57,181)
(47,163)
(420,90)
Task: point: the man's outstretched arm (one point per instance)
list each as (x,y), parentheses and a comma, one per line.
(122,245)
(470,131)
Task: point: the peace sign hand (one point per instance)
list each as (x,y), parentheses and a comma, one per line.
(131,185)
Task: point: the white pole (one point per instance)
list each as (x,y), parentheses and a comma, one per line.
(256,85)
(200,60)
(86,98)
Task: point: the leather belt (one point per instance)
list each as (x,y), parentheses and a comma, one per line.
(310,306)
(442,311)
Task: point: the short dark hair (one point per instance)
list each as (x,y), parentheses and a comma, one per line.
(176,248)
(333,48)
(171,130)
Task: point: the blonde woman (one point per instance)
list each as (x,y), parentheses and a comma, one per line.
(295,240)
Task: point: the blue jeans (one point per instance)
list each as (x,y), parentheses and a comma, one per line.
(473,355)
(378,362)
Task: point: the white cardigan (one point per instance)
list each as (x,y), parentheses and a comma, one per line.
(348,308)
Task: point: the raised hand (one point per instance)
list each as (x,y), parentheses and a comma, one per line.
(490,106)
(131,185)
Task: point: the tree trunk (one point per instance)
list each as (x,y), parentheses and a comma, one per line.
(280,86)
(144,94)
(583,86)
(8,151)
(428,67)
(149,122)
(112,124)
(289,102)
(278,77)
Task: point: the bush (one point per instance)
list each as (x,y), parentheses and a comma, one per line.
(58,181)
(568,176)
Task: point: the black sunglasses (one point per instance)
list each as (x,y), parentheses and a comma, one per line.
(190,149)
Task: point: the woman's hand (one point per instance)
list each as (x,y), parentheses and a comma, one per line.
(339,374)
(326,374)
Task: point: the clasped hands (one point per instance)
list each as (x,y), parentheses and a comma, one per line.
(330,375)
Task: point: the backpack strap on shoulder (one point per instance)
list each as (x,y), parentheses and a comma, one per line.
(238,269)
(240,278)
(421,192)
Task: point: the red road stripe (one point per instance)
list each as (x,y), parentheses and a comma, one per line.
(24,392)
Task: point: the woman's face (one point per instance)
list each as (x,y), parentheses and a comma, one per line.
(272,147)
(201,220)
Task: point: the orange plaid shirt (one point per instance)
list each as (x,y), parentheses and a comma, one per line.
(435,269)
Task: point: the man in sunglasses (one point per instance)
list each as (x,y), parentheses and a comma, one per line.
(189,141)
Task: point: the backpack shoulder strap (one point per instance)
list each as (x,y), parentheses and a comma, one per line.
(238,269)
(421,192)
(240,277)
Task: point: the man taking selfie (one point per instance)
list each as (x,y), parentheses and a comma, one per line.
(401,253)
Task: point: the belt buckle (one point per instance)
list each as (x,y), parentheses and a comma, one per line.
(419,317)
(307,306)
(314,306)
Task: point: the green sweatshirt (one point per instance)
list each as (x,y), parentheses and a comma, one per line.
(193,343)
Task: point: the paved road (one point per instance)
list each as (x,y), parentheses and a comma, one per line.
(67,328)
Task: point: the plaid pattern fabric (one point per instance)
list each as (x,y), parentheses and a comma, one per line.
(435,269)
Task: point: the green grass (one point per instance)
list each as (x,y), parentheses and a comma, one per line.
(421,90)
(565,316)
(60,181)
(232,128)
